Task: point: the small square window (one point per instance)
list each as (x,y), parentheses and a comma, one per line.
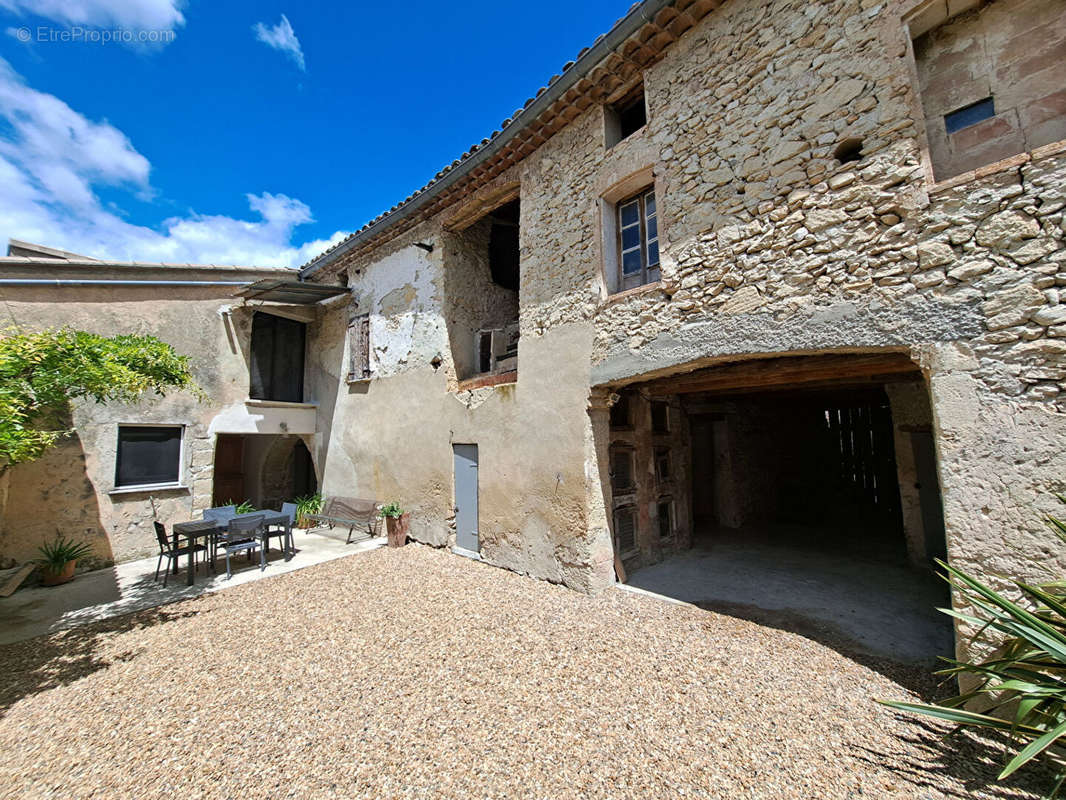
(969,115)
(148,455)
(620,414)
(626,117)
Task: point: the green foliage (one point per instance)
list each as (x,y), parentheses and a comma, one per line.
(41,372)
(244,507)
(57,553)
(311,504)
(392,509)
(1021,687)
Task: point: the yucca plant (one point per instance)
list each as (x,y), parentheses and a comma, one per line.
(58,553)
(1021,687)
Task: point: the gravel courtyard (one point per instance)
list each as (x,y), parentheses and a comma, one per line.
(418,673)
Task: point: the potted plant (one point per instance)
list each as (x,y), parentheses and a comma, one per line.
(311,504)
(397,523)
(58,559)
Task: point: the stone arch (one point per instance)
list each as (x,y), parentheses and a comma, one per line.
(278,473)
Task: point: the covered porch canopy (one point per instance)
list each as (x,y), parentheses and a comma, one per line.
(290,292)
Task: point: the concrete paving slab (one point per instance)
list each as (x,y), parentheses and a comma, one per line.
(882,609)
(131,586)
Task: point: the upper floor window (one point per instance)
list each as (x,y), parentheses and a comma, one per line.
(148,455)
(638,241)
(990,80)
(277,359)
(625,117)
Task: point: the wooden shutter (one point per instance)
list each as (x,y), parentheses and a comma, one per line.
(359,348)
(625,530)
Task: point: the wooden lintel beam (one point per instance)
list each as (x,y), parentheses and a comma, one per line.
(789,371)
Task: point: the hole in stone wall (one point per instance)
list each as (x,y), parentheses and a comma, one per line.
(848,150)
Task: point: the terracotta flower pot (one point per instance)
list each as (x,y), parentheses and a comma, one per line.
(397,528)
(52,577)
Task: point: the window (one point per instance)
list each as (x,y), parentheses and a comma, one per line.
(620,413)
(662,464)
(969,115)
(621,469)
(625,530)
(277,362)
(148,455)
(666,518)
(624,118)
(660,416)
(359,348)
(638,241)
(989,79)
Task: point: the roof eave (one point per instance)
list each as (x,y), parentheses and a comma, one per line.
(639,15)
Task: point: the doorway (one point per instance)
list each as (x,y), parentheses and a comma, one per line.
(466,500)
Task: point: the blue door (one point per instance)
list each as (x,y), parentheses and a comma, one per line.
(466,537)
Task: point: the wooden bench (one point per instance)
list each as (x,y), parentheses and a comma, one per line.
(349,512)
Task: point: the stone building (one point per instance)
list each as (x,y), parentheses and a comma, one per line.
(744,268)
(164,458)
(762,266)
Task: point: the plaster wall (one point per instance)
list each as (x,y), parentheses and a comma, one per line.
(71,490)
(769,245)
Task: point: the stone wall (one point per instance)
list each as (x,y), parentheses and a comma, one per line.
(770,245)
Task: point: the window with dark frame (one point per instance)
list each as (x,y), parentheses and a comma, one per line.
(638,241)
(969,115)
(277,358)
(148,455)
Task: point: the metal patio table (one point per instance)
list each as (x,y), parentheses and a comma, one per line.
(198,529)
(209,529)
(269,518)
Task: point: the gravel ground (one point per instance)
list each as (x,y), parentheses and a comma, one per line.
(417,673)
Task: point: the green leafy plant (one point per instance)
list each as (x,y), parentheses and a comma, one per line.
(1021,686)
(305,506)
(244,507)
(42,371)
(58,553)
(392,509)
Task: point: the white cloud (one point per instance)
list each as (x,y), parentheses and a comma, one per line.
(52,161)
(281,37)
(139,14)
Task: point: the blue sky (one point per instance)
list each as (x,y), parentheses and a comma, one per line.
(263,130)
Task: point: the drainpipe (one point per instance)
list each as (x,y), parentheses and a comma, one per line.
(630,24)
(60,282)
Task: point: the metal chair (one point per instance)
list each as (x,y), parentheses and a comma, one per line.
(243,535)
(172,553)
(284,531)
(221,515)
